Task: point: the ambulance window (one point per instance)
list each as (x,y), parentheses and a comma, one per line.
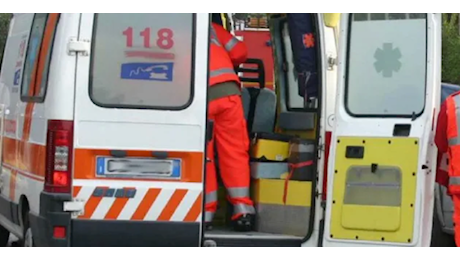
(386,72)
(33,50)
(38,57)
(143,60)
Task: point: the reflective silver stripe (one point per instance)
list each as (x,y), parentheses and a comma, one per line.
(216,42)
(213,33)
(214,38)
(219,72)
(211,197)
(456,140)
(454,180)
(241,192)
(208,216)
(241,208)
(231,44)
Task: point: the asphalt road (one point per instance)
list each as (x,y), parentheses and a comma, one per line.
(444,244)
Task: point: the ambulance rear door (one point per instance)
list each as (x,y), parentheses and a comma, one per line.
(382,158)
(139,129)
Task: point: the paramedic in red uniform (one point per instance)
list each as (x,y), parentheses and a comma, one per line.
(448,142)
(225,108)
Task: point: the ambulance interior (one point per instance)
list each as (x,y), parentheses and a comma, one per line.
(283,130)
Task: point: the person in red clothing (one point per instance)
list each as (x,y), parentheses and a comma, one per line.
(230,138)
(448,170)
(442,171)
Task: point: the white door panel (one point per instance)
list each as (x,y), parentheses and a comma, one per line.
(184,122)
(141,95)
(380,179)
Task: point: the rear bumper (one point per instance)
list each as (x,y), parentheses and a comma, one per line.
(86,233)
(102,233)
(51,215)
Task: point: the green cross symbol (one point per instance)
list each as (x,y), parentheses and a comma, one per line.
(387,60)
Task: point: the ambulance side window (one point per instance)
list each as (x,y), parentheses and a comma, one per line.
(300,53)
(38,57)
(143,61)
(293,100)
(386,70)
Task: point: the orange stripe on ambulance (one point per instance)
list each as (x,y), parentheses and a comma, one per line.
(141,203)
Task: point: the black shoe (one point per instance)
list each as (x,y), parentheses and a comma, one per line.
(243,223)
(208,226)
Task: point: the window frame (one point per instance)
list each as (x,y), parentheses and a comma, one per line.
(413,116)
(143,107)
(37,87)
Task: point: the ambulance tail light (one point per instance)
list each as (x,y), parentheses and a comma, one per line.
(59,151)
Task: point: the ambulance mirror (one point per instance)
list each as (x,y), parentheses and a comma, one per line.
(331,19)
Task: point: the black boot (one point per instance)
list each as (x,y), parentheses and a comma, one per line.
(243,223)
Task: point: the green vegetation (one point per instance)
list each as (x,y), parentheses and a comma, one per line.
(4,23)
(450,43)
(450,49)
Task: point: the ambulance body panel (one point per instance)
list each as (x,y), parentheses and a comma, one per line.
(99,102)
(104,128)
(25,123)
(383,158)
(163,119)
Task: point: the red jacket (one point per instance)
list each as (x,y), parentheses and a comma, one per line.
(226,53)
(442,174)
(441,140)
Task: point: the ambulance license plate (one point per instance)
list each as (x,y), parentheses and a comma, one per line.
(138,168)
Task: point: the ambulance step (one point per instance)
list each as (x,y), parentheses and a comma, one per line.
(228,238)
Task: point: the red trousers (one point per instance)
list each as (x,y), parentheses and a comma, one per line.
(232,143)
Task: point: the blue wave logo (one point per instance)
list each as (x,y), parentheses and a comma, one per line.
(17,77)
(148,71)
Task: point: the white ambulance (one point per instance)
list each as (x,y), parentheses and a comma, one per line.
(103,132)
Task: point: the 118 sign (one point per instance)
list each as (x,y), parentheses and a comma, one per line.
(164,38)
